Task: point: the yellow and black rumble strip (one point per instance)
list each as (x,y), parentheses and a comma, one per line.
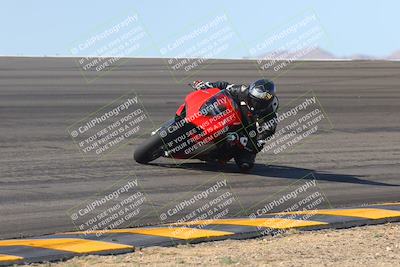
(66,245)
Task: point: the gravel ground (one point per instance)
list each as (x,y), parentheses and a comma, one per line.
(363,246)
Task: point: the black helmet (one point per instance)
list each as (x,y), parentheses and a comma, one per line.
(261,95)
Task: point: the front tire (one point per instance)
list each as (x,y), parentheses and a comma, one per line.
(150,150)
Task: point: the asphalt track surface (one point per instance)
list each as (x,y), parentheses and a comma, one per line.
(43,175)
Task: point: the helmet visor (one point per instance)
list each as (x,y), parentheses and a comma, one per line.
(260,93)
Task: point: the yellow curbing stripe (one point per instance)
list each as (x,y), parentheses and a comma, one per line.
(9,258)
(387,204)
(74,245)
(178,232)
(366,213)
(275,223)
(182,232)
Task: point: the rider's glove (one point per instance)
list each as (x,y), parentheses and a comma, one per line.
(200,85)
(232,137)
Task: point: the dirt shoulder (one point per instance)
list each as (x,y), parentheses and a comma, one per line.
(363,246)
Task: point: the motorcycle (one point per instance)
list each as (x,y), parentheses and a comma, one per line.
(205,128)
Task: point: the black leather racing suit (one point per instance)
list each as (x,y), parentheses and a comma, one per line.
(257,127)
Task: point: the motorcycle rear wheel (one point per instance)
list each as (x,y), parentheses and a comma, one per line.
(244,167)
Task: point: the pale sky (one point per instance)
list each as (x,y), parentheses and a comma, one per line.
(44,27)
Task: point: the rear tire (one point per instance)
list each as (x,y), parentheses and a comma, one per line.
(150,150)
(245,165)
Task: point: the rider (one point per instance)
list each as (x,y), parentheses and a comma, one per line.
(258,105)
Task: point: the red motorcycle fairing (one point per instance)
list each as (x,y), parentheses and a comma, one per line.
(180,110)
(211,113)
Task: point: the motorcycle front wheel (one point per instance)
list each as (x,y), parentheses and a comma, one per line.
(150,150)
